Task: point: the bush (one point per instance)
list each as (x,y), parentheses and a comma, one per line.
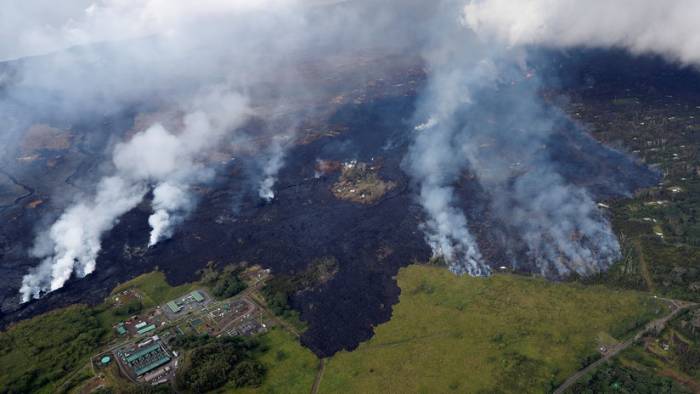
(228,287)
(616,378)
(130,308)
(689,359)
(215,361)
(249,373)
(36,353)
(224,284)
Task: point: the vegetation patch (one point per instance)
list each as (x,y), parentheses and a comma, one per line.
(291,368)
(224,284)
(659,227)
(37,355)
(212,362)
(504,333)
(619,379)
(155,288)
(360,183)
(280,289)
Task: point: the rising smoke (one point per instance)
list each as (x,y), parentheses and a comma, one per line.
(484,115)
(273,162)
(467,126)
(172,162)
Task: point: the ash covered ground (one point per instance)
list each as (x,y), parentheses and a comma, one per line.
(367,120)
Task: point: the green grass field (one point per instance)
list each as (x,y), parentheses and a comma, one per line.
(505,333)
(156,289)
(291,368)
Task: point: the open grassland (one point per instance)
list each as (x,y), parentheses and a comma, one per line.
(291,368)
(505,333)
(156,289)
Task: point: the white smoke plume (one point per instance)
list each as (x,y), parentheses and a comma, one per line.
(667,28)
(478,96)
(171,204)
(271,167)
(171,161)
(73,241)
(434,159)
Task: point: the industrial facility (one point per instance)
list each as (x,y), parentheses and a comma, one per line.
(180,306)
(142,362)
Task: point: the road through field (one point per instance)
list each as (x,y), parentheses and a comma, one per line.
(656,325)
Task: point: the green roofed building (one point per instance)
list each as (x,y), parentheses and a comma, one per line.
(197,296)
(147,358)
(146,329)
(143,352)
(175,308)
(155,364)
(120,329)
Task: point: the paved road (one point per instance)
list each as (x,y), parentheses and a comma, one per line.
(656,325)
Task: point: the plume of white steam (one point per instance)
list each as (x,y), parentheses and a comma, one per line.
(202,132)
(435,161)
(561,225)
(171,204)
(477,96)
(73,241)
(271,167)
(446,229)
(155,156)
(666,28)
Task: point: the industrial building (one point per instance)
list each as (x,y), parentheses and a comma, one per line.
(174,308)
(146,358)
(192,301)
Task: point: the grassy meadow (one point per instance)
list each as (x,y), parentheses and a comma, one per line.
(291,368)
(505,333)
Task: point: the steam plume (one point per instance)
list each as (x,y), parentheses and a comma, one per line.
(73,241)
(271,167)
(483,116)
(155,156)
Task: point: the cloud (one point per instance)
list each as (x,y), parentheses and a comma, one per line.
(37,27)
(667,28)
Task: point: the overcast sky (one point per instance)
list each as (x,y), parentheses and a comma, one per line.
(669,27)
(32,27)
